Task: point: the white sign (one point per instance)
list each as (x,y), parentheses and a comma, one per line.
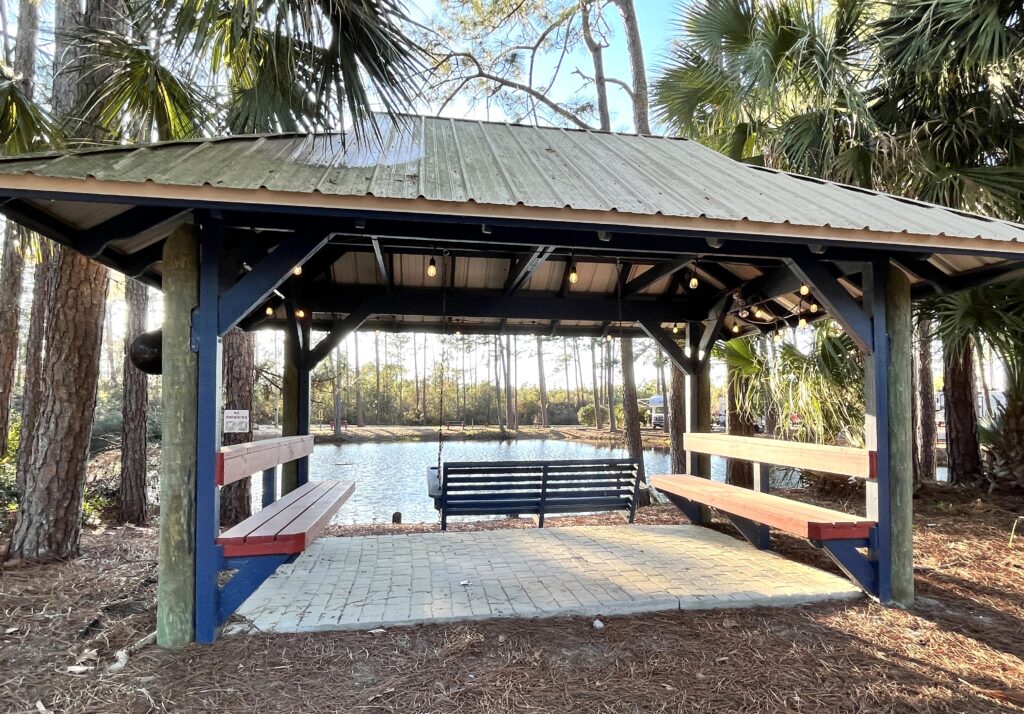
(236,421)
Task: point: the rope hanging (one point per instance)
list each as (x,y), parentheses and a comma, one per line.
(444,358)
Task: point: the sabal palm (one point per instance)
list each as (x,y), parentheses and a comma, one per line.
(779,83)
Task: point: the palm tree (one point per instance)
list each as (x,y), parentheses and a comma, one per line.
(781,84)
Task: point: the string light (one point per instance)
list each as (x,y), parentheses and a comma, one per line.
(736,328)
(269,310)
(297,271)
(814,307)
(804,290)
(803,322)
(574,276)
(608,337)
(675,329)
(694,283)
(300,313)
(431,268)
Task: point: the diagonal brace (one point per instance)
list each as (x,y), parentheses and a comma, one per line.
(860,568)
(269,273)
(342,329)
(250,574)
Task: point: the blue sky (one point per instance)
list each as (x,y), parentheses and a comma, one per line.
(657,20)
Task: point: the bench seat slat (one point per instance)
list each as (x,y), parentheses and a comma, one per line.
(801,519)
(290,524)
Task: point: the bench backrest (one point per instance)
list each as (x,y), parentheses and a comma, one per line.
(243,460)
(842,460)
(539,486)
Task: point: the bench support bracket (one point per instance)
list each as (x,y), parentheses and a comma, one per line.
(754,532)
(861,568)
(689,508)
(250,573)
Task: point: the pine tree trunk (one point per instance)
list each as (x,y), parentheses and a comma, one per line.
(10,316)
(16,239)
(239,374)
(612,425)
(132,491)
(360,418)
(34,345)
(49,522)
(53,469)
(376,372)
(962,447)
(738,472)
(926,404)
(631,415)
(597,386)
(640,96)
(676,420)
(542,383)
(336,393)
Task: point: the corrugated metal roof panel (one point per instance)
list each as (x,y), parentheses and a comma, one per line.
(508,165)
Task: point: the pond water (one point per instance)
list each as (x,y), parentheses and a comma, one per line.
(392,477)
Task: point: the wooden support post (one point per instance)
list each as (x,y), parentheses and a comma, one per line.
(206,339)
(888,430)
(305,330)
(269,486)
(176,563)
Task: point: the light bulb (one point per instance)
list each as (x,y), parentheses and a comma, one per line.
(574,277)
(804,290)
(814,307)
(608,337)
(300,313)
(431,268)
(675,329)
(297,271)
(694,283)
(735,328)
(803,322)
(269,310)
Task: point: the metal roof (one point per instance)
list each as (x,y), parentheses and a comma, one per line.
(472,165)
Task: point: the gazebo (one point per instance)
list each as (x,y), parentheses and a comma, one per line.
(440,225)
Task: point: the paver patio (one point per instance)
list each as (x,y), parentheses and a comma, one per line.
(380,581)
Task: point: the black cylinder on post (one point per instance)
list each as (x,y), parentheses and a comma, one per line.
(146,352)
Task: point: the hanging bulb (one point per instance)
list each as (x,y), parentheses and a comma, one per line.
(814,307)
(804,290)
(735,328)
(300,313)
(269,311)
(694,283)
(675,329)
(802,322)
(297,271)
(431,268)
(608,337)
(574,277)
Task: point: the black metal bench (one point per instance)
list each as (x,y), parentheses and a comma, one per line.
(513,488)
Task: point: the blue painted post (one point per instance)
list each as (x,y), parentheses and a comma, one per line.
(269,486)
(876,431)
(206,341)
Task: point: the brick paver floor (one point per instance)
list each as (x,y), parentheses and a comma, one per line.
(381,581)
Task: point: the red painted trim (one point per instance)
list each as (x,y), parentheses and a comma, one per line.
(218,477)
(873,465)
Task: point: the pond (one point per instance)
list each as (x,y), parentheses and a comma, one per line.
(391,477)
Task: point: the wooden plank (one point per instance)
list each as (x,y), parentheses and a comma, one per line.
(802,519)
(291,527)
(243,460)
(842,460)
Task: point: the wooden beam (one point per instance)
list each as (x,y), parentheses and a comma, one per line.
(841,460)
(654,274)
(921,269)
(240,461)
(521,270)
(249,292)
(175,610)
(652,328)
(341,330)
(839,303)
(138,221)
(383,267)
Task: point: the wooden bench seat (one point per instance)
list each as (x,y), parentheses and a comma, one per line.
(801,519)
(289,524)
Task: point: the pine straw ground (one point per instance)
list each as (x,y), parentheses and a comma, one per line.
(961,649)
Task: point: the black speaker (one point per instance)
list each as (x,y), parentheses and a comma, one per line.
(146,352)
